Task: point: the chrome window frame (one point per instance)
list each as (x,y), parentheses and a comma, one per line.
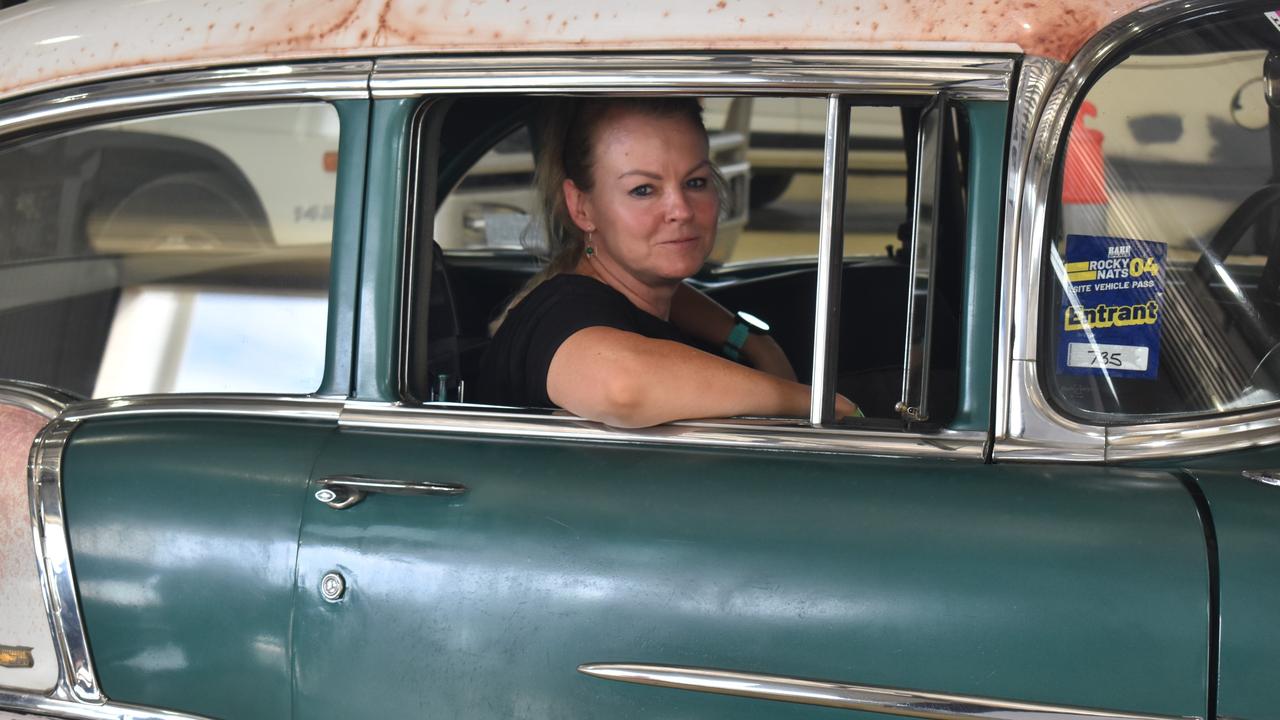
(837,78)
(186,91)
(1027,426)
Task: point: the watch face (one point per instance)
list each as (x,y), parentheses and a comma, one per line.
(753,322)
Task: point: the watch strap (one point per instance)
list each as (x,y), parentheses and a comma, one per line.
(737,338)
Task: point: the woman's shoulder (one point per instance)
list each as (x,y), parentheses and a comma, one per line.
(573,282)
(569,289)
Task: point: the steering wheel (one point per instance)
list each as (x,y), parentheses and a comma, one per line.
(1241,219)
(1266,376)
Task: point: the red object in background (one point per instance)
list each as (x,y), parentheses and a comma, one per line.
(1084,181)
(331,161)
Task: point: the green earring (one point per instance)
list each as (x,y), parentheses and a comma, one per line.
(591,251)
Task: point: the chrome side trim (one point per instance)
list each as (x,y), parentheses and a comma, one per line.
(1028,426)
(826,324)
(39,399)
(39,706)
(966,77)
(1038,433)
(318,81)
(866,698)
(1193,437)
(737,434)
(1266,477)
(76,678)
(265,406)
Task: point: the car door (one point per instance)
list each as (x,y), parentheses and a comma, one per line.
(458,560)
(1068,587)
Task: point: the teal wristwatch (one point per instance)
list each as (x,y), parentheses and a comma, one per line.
(746,326)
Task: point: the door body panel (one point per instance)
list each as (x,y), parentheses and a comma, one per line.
(1246,514)
(1076,585)
(184,536)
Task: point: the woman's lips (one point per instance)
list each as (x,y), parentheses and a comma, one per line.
(680,241)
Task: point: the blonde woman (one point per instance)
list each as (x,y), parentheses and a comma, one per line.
(609,330)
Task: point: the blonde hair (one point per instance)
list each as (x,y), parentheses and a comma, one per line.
(569,129)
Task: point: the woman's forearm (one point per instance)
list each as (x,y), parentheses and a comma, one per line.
(703,319)
(628,380)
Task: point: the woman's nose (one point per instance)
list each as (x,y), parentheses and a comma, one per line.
(678,207)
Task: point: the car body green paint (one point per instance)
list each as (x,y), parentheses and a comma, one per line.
(185,557)
(344,264)
(1245,514)
(382,260)
(988,123)
(1082,586)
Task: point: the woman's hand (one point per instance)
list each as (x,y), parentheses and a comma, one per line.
(846,408)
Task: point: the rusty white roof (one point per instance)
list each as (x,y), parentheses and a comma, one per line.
(49,43)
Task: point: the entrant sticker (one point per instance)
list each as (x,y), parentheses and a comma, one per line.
(1274,17)
(1111,308)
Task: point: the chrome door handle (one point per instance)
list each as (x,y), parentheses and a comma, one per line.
(342,491)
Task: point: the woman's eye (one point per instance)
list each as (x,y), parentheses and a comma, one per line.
(642,191)
(697,183)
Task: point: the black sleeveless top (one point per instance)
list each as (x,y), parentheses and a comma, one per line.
(515,365)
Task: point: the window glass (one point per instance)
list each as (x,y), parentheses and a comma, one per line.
(491,207)
(181,253)
(785,152)
(1164,265)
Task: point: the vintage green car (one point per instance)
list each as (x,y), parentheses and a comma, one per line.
(241,476)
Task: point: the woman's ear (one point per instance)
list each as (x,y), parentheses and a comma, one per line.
(578,204)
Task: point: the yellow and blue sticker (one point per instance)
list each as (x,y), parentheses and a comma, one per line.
(1112,303)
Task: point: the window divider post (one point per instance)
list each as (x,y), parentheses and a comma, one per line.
(826,332)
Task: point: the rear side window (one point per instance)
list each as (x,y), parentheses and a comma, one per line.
(1164,272)
(181,253)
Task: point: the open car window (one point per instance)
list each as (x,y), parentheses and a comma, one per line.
(770,150)
(478,153)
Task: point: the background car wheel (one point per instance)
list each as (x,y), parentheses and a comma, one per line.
(193,210)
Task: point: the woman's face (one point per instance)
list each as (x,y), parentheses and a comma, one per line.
(652,211)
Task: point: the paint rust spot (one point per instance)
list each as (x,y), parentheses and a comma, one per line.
(18,428)
(270,30)
(16,656)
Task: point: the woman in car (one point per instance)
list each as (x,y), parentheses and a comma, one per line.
(609,330)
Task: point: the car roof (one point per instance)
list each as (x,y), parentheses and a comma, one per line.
(52,43)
